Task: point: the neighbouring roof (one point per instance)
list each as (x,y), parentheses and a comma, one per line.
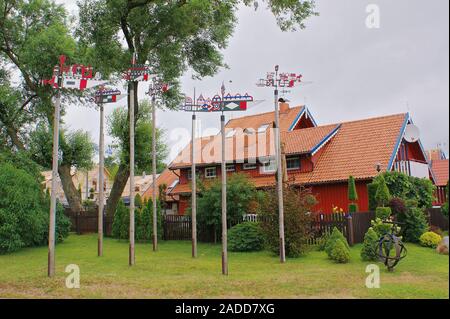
(349,148)
(140,182)
(440,169)
(167,177)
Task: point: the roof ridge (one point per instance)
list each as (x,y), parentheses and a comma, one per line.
(260,114)
(366,119)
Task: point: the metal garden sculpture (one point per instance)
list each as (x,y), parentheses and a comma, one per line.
(388,243)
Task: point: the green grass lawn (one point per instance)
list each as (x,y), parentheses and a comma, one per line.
(172,273)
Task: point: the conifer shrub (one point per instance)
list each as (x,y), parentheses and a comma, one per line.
(340,252)
(430,239)
(335,236)
(370,245)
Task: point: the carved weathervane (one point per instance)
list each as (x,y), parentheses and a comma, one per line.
(229,103)
(74,77)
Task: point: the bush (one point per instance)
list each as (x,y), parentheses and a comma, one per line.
(414,224)
(245,237)
(398,206)
(322,241)
(297,206)
(381,228)
(147,222)
(353,208)
(382,196)
(430,239)
(370,244)
(119,216)
(340,253)
(24,211)
(371,190)
(335,236)
(383,213)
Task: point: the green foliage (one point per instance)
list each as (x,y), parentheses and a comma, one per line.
(138,201)
(383,213)
(382,196)
(352,193)
(335,236)
(408,188)
(415,224)
(398,206)
(340,253)
(372,190)
(370,244)
(381,228)
(298,204)
(24,211)
(143,219)
(118,126)
(430,239)
(240,195)
(245,237)
(322,241)
(353,208)
(445,206)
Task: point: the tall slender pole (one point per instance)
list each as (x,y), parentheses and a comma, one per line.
(194,190)
(52,226)
(279,174)
(155,212)
(224,201)
(131,259)
(101,194)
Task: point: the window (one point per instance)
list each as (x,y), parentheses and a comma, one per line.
(231,168)
(293,163)
(269,167)
(248,166)
(210,172)
(263,128)
(189,173)
(230,133)
(249,131)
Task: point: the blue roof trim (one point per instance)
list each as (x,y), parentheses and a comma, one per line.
(433,176)
(399,141)
(325,139)
(302,112)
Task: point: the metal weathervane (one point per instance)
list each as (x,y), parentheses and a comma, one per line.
(103,96)
(74,77)
(279,80)
(219,103)
(157,87)
(136,73)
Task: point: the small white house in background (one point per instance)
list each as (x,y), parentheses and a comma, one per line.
(87,181)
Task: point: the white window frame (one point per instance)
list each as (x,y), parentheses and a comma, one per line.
(231,168)
(269,167)
(210,169)
(230,133)
(293,168)
(249,166)
(263,128)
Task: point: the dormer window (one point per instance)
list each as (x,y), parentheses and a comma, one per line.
(230,133)
(249,131)
(292,163)
(263,128)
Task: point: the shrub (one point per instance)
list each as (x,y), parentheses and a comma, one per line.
(370,244)
(383,213)
(121,210)
(445,206)
(382,196)
(430,239)
(322,241)
(381,228)
(147,222)
(340,253)
(335,236)
(24,211)
(371,190)
(245,237)
(297,206)
(398,206)
(414,224)
(353,208)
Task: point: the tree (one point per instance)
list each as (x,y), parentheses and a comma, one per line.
(298,203)
(382,195)
(240,194)
(352,195)
(33,33)
(172,35)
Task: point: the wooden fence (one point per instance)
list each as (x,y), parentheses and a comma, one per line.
(177,227)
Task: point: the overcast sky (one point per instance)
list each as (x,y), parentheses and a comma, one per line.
(356,72)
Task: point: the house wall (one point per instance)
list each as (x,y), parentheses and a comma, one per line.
(329,195)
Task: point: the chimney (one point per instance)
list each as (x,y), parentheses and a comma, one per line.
(284,107)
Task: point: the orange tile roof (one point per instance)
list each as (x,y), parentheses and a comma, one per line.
(167,177)
(354,150)
(440,169)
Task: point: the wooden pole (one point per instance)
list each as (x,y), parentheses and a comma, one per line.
(101,194)
(52,222)
(194,190)
(155,209)
(131,259)
(224,201)
(279,179)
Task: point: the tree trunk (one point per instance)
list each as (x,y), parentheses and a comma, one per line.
(71,192)
(120,182)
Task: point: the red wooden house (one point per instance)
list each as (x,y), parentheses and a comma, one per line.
(440,166)
(319,157)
